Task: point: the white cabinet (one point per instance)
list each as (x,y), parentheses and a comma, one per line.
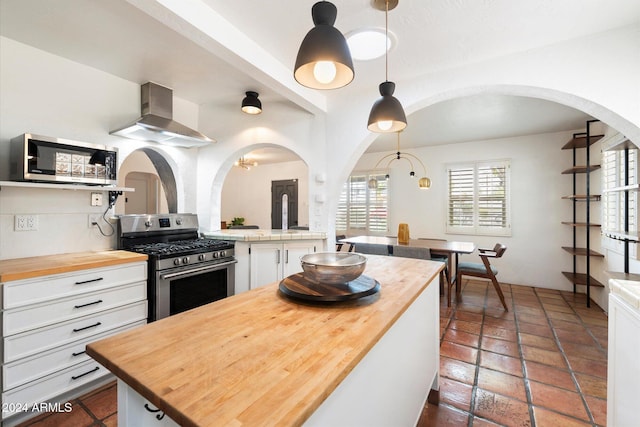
(48,320)
(623,376)
(271,262)
(135,410)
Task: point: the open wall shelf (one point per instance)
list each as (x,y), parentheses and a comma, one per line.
(581,229)
(583,197)
(581,279)
(582,140)
(581,169)
(75,187)
(582,251)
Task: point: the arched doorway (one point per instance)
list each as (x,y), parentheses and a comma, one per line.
(247,191)
(154,182)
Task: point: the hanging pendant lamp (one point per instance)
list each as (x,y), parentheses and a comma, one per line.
(387,114)
(324,60)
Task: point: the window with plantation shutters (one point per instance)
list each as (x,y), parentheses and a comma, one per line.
(362,209)
(613,202)
(478,198)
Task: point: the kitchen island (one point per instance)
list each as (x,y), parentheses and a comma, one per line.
(265,256)
(258,358)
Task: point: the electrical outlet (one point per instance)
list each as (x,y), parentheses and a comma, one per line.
(96,199)
(25,223)
(94,218)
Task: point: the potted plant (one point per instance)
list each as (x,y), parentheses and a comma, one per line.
(237,220)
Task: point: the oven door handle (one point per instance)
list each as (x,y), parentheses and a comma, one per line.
(214,267)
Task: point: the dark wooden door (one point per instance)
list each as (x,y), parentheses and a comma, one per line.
(278,189)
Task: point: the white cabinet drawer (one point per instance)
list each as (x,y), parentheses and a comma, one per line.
(29,317)
(39,365)
(36,392)
(45,338)
(30,291)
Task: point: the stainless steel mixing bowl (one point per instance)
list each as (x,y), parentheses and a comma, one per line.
(333,268)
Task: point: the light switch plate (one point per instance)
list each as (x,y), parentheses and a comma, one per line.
(96,199)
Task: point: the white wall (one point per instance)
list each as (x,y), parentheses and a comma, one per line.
(609,92)
(534,256)
(247,193)
(63,222)
(61,98)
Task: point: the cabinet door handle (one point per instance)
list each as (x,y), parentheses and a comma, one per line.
(286,256)
(90,281)
(159,415)
(87,304)
(75,377)
(78,353)
(87,327)
(277,256)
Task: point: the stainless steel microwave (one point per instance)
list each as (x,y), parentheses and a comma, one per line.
(42,158)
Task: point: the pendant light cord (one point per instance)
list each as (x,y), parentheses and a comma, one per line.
(386,41)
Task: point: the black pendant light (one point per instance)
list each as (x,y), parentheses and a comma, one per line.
(387,114)
(324,60)
(251,104)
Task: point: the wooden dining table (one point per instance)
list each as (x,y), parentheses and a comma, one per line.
(451,249)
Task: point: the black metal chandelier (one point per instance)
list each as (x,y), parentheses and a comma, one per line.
(424,183)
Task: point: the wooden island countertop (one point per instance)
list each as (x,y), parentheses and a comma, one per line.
(258,358)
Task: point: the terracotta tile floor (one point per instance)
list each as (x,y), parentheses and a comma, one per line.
(95,409)
(543,363)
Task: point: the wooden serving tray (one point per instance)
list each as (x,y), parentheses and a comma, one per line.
(299,287)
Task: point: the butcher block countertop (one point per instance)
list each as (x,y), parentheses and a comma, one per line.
(258,358)
(26,268)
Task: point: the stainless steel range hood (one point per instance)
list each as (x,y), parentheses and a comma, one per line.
(156,123)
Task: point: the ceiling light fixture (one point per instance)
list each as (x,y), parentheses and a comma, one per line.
(387,114)
(251,104)
(424,183)
(245,163)
(324,60)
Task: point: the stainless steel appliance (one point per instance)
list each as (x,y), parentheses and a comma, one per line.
(156,123)
(185,271)
(43,158)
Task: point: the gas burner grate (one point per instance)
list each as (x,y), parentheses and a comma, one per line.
(180,247)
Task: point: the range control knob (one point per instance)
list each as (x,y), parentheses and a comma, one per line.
(178,221)
(216,254)
(201,257)
(176,261)
(185,260)
(148,223)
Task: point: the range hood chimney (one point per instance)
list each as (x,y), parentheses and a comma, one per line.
(156,123)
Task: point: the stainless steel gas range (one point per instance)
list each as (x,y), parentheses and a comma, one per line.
(185,271)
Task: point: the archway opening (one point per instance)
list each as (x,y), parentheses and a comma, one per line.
(151,176)
(247,190)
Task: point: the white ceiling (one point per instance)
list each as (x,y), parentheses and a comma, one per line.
(122,38)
